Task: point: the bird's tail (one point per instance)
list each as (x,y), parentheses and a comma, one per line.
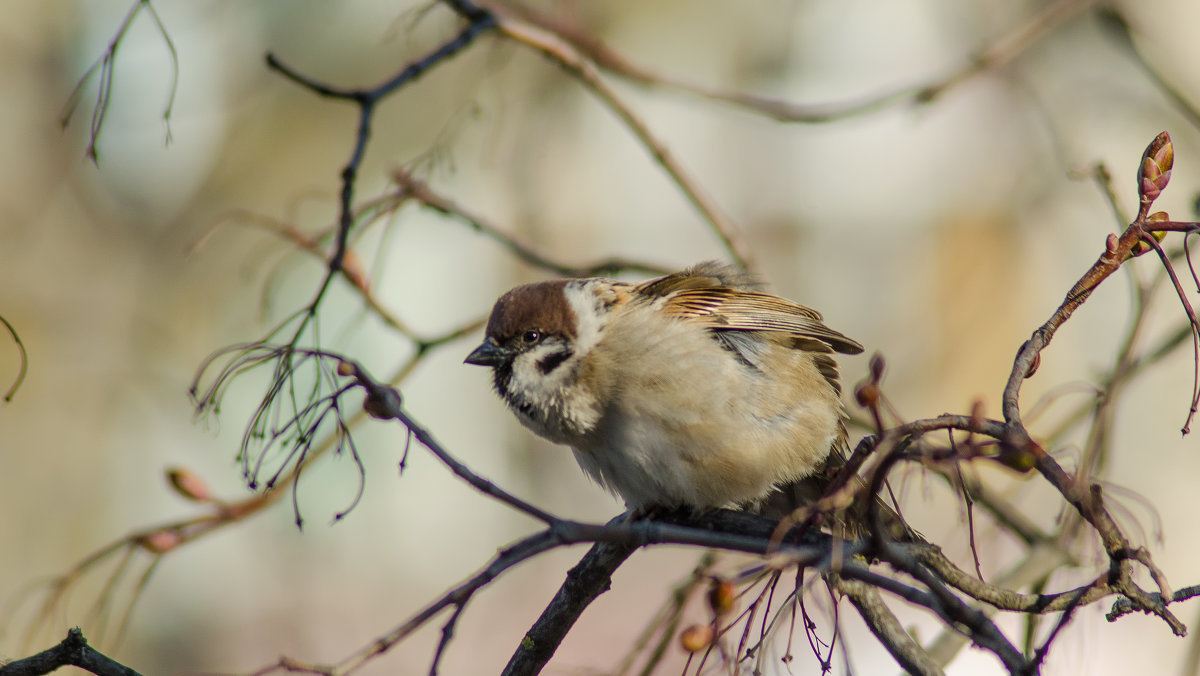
(836,503)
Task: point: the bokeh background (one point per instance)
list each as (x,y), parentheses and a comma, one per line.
(937,234)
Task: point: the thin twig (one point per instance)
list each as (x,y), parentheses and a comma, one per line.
(23,356)
(565,55)
(995,56)
(413,187)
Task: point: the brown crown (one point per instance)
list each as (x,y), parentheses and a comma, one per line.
(541,306)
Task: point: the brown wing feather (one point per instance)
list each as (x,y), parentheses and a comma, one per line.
(723,308)
(723,298)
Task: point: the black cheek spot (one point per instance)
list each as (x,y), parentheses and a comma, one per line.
(553,361)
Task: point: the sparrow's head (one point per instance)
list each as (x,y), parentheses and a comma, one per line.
(529,335)
(536,340)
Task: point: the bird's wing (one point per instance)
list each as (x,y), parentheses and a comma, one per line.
(723,308)
(703,295)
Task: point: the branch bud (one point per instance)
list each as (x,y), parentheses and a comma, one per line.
(1033,366)
(877,367)
(1155,171)
(696,637)
(353,268)
(977,405)
(721,596)
(1017,459)
(1140,247)
(1111,244)
(867,394)
(382,402)
(160,542)
(188,484)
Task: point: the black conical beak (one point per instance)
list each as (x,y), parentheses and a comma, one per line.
(489,353)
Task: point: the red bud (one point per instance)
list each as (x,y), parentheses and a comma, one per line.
(188,484)
(866,394)
(160,542)
(1154,173)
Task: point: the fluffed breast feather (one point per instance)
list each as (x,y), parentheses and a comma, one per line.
(683,425)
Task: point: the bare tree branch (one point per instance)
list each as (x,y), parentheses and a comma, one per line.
(879,618)
(72,651)
(587,580)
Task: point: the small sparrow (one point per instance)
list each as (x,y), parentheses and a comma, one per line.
(696,389)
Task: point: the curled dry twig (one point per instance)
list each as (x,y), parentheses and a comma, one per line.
(22,355)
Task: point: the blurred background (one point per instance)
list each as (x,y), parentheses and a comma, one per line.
(938,234)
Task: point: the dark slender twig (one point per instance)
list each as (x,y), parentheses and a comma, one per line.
(455,598)
(367,99)
(72,651)
(287,359)
(22,354)
(413,187)
(284,359)
(1111,19)
(383,402)
(1192,319)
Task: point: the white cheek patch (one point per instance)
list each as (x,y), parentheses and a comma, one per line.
(528,374)
(550,403)
(590,314)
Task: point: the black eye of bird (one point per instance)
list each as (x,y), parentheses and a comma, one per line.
(531,336)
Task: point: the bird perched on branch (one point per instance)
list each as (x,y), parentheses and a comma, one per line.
(696,389)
